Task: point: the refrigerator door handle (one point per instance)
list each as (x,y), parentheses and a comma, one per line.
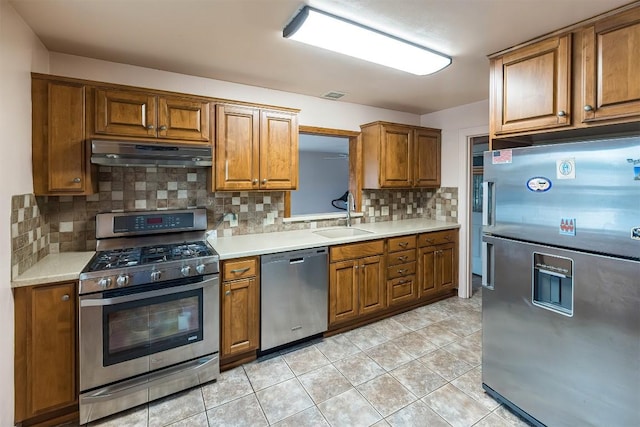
(488,203)
(488,265)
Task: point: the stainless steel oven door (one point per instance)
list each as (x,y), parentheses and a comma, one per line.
(129,332)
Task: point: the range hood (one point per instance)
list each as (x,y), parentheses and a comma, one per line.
(150,154)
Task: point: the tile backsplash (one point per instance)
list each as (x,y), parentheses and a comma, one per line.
(51,224)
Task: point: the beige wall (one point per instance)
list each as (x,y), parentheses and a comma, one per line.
(314,111)
(20,53)
(458,124)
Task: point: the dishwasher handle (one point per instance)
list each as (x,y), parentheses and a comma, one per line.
(296,260)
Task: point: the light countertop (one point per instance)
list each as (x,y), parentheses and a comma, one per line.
(260,244)
(54,268)
(68,265)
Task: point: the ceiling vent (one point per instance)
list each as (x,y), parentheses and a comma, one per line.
(333,95)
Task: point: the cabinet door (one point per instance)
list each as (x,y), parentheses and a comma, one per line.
(46,371)
(427,285)
(343,291)
(396,156)
(278,150)
(372,284)
(183,118)
(125,113)
(240,316)
(66,148)
(237,147)
(611,67)
(531,88)
(402,290)
(446,267)
(426,167)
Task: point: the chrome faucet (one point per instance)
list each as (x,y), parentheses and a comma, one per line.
(350,202)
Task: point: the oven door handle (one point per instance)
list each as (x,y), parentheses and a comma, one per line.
(100,302)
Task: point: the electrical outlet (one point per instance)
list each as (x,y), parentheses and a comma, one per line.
(212,234)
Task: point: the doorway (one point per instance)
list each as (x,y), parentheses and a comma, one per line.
(478,145)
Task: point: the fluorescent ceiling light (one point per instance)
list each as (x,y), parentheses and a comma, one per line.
(330,32)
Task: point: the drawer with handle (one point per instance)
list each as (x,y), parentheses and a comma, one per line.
(401,290)
(401,270)
(402,257)
(437,238)
(401,243)
(238,269)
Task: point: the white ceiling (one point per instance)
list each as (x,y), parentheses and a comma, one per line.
(241,41)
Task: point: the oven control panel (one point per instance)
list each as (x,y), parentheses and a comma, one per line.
(155,222)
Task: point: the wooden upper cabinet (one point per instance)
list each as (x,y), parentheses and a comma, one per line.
(278,150)
(129,113)
(531,87)
(400,156)
(611,67)
(396,156)
(59,154)
(237,147)
(427,154)
(255,149)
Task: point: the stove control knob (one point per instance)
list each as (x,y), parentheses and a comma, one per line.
(185,270)
(105,282)
(155,275)
(200,268)
(122,280)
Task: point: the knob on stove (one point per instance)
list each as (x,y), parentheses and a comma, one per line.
(122,280)
(200,268)
(155,275)
(185,270)
(105,282)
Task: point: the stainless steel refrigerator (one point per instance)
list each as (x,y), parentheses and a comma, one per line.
(561,277)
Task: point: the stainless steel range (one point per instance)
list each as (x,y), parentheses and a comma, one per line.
(149,310)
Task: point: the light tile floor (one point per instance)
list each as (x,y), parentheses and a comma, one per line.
(420,368)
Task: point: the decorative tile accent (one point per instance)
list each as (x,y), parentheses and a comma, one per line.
(29,234)
(67,223)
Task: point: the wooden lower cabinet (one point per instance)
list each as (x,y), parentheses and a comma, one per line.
(240,309)
(437,269)
(356,281)
(46,390)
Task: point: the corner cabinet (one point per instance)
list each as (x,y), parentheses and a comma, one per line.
(531,87)
(256,149)
(45,353)
(400,156)
(240,309)
(60,156)
(611,68)
(356,281)
(130,113)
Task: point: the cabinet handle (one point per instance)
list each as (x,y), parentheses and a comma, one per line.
(402,258)
(228,291)
(588,108)
(428,240)
(402,271)
(65,297)
(561,113)
(163,127)
(447,238)
(403,244)
(76,180)
(240,270)
(264,181)
(255,181)
(150,127)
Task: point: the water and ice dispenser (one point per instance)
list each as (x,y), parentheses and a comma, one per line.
(553,283)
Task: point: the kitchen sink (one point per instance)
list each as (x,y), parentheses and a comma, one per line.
(334,233)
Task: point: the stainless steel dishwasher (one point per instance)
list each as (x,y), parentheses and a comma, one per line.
(294,293)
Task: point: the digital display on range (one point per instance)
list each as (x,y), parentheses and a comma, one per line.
(133,223)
